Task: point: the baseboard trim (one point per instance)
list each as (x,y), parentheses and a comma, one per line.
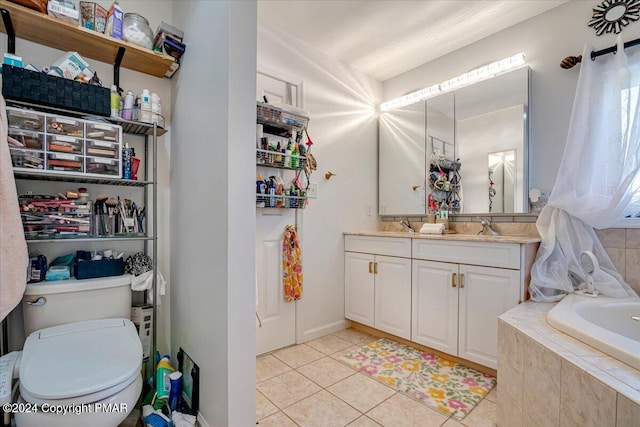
(323,330)
(381,334)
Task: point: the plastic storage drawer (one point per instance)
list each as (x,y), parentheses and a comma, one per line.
(26,139)
(102,166)
(65,144)
(103,132)
(25,119)
(103,149)
(46,225)
(64,162)
(27,159)
(65,126)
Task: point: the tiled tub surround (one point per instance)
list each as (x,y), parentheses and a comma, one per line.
(548,378)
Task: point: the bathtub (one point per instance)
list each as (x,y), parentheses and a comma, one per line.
(603,323)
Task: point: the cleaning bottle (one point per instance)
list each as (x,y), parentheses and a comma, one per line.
(115,101)
(287,159)
(294,157)
(163,382)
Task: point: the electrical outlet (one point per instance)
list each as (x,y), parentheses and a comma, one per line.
(312,191)
(369,209)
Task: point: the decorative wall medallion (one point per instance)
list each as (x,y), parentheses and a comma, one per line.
(612,15)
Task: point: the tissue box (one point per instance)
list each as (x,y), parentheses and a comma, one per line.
(70,65)
(93,16)
(115,21)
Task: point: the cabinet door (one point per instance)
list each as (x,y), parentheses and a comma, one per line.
(485,293)
(435,305)
(393,295)
(359,288)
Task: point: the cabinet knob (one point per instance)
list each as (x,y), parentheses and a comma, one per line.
(453,280)
(461,280)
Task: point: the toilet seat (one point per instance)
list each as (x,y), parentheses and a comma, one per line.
(80,362)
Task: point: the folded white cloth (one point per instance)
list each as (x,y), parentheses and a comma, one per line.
(144,282)
(432,228)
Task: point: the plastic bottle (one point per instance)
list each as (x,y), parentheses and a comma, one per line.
(115,101)
(127,111)
(294,157)
(163,382)
(145,106)
(156,108)
(127,155)
(287,158)
(176,389)
(136,110)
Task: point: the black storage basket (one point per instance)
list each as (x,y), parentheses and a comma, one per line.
(20,84)
(86,269)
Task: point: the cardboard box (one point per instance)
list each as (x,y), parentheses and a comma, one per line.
(62,11)
(115,22)
(142,317)
(70,65)
(93,16)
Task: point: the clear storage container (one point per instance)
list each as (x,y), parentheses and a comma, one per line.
(102,166)
(25,139)
(136,30)
(64,144)
(103,149)
(103,132)
(64,162)
(27,159)
(65,126)
(25,119)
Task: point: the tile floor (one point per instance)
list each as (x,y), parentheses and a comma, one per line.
(305,385)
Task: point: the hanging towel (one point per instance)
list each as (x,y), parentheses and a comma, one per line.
(14,257)
(291,265)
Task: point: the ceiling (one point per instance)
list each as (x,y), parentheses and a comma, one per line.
(385,38)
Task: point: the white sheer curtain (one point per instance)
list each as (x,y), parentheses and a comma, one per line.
(598,180)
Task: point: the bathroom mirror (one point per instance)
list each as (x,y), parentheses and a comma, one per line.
(491,118)
(439,149)
(401,175)
(502,181)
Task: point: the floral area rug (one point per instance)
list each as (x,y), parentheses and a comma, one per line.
(447,386)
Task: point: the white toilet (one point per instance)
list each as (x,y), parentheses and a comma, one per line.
(82,354)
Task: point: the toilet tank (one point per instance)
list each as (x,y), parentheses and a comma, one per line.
(46,304)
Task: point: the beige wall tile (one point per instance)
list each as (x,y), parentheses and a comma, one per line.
(541,396)
(618,257)
(612,237)
(510,361)
(633,238)
(585,401)
(628,413)
(632,268)
(509,413)
(321,410)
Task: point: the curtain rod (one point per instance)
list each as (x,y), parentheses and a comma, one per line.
(571,61)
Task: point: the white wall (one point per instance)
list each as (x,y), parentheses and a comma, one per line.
(477,137)
(344,128)
(545,39)
(213,205)
(40,56)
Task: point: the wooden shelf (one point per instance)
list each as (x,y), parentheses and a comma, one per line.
(49,31)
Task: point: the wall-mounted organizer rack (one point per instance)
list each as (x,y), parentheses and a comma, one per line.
(444,183)
(284,127)
(38,119)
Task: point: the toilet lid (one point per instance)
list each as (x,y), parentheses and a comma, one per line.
(79,358)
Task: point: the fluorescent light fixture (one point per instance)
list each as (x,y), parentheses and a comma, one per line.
(473,76)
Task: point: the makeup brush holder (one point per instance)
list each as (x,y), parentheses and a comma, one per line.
(104,225)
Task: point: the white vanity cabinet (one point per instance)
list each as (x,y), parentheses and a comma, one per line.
(459,290)
(378,283)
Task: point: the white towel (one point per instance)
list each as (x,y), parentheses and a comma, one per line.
(14,256)
(432,228)
(144,282)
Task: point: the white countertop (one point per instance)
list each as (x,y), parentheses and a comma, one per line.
(452,237)
(530,318)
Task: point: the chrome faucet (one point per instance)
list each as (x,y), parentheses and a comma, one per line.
(407,224)
(487,228)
